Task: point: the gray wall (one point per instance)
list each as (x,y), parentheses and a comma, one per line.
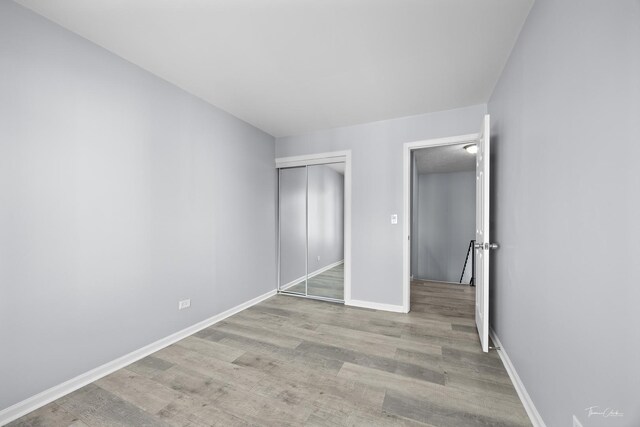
(120,194)
(446,223)
(377,189)
(292,221)
(326,217)
(325,220)
(566,203)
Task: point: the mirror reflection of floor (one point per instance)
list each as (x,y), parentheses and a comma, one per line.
(328,284)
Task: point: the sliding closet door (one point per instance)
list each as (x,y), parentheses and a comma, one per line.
(325,230)
(293,230)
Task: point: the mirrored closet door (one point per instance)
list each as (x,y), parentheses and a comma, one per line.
(293,230)
(311,231)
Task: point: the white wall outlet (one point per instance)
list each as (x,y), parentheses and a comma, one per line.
(185,303)
(394,219)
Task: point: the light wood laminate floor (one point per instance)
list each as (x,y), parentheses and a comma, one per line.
(294,361)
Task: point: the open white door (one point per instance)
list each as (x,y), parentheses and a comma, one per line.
(483,245)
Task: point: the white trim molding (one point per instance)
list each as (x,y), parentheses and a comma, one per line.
(34,402)
(319,159)
(406,193)
(533,413)
(313,159)
(376,306)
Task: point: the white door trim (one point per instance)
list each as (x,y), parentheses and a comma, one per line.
(324,158)
(313,159)
(406,192)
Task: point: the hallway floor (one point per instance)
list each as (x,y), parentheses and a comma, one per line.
(294,361)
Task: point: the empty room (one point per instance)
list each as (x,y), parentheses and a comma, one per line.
(319,213)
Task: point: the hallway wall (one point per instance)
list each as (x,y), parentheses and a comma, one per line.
(446,224)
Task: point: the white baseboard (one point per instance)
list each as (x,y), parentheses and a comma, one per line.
(533,413)
(34,402)
(438,281)
(376,306)
(310,275)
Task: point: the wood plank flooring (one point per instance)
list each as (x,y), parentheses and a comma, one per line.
(291,361)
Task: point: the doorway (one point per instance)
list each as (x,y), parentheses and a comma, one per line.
(480,246)
(314,226)
(443,199)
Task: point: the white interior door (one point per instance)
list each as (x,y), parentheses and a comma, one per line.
(483,245)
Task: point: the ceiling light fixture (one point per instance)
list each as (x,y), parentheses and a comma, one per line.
(471,148)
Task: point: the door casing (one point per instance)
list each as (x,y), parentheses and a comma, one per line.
(406,191)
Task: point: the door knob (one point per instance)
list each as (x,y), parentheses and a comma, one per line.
(486,246)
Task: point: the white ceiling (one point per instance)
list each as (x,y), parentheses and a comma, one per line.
(448,158)
(293,66)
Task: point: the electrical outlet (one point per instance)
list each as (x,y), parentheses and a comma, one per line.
(394,219)
(185,303)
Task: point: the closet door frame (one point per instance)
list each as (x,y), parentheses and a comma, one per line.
(321,159)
